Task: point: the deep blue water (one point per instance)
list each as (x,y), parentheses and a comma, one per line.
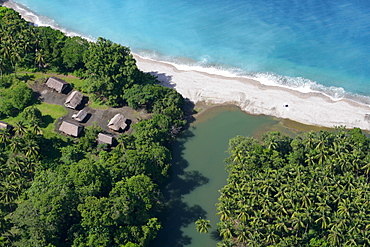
(307,44)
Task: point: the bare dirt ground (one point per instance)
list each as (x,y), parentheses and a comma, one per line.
(95,116)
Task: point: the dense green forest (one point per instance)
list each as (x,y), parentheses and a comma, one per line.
(60,191)
(312,190)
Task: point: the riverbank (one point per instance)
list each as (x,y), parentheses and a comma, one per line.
(250,95)
(258,99)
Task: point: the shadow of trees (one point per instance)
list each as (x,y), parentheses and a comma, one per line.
(179,214)
(51,152)
(25,77)
(165,80)
(46,120)
(215,235)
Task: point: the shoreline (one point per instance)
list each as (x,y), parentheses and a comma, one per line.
(253,97)
(27,15)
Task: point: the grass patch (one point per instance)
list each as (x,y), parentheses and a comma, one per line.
(30,77)
(98,106)
(12,120)
(50,113)
(77,83)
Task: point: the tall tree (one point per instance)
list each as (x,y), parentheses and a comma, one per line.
(203,225)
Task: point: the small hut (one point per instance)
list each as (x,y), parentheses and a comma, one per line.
(105,139)
(4,125)
(71,129)
(117,123)
(80,116)
(57,84)
(74,99)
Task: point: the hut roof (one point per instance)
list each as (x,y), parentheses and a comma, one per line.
(104,138)
(74,99)
(71,129)
(4,125)
(80,116)
(117,122)
(57,84)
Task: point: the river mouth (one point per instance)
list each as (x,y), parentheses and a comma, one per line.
(198,171)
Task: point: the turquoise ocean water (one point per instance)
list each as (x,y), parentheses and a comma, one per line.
(305,44)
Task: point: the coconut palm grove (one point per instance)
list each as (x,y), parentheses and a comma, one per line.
(312,190)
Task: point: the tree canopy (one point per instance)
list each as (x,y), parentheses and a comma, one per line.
(110,68)
(312,190)
(74,192)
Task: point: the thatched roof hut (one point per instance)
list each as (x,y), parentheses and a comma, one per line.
(71,129)
(80,116)
(74,99)
(117,123)
(4,125)
(57,84)
(105,139)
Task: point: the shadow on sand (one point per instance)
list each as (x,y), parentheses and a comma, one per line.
(164,79)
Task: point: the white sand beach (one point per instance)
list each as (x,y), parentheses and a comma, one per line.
(250,95)
(255,98)
(26,14)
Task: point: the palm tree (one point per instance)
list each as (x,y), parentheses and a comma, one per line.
(33,152)
(20,128)
(271,237)
(334,237)
(226,232)
(15,56)
(344,207)
(35,129)
(15,146)
(4,136)
(8,191)
(243,215)
(224,213)
(202,225)
(310,139)
(366,167)
(40,60)
(325,221)
(242,237)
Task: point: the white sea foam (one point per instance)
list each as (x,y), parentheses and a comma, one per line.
(40,20)
(299,84)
